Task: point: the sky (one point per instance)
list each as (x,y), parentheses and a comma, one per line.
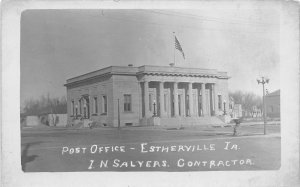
(60,44)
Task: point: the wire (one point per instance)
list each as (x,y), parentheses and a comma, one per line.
(174,26)
(203,18)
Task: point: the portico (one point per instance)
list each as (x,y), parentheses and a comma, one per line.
(183,93)
(178,99)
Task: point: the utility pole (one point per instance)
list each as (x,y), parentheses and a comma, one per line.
(264,81)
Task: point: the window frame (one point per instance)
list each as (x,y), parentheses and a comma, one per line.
(104,105)
(127,103)
(150,102)
(95,107)
(80,106)
(165,102)
(72,107)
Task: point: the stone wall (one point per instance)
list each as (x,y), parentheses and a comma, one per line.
(126,85)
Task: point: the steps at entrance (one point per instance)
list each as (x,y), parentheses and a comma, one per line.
(192,121)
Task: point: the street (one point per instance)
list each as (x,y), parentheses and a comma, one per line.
(148,149)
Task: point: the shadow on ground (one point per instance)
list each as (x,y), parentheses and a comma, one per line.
(25,158)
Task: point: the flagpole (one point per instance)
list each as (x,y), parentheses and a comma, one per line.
(174,47)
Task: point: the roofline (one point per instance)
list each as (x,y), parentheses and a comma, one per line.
(142,70)
(172,67)
(274,93)
(89,73)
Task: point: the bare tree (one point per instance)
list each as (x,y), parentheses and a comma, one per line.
(45,105)
(248,100)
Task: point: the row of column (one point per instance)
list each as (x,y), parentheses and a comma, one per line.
(175,94)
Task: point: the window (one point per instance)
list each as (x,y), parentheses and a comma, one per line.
(200,109)
(150,102)
(104,104)
(128,124)
(95,105)
(165,103)
(194,104)
(179,105)
(72,108)
(84,112)
(80,107)
(84,108)
(220,102)
(187,102)
(127,103)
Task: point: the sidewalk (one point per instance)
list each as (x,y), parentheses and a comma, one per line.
(245,129)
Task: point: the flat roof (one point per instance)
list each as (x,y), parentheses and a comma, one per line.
(147,69)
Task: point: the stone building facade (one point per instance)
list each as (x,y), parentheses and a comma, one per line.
(134,95)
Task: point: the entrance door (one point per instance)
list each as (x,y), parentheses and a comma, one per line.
(167,102)
(195,102)
(181,102)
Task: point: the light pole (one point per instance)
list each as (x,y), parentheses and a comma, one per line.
(154,111)
(264,81)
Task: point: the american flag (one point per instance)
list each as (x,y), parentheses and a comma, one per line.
(178,47)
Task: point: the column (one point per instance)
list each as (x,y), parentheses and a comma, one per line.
(191,109)
(203,99)
(161,99)
(175,94)
(146,99)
